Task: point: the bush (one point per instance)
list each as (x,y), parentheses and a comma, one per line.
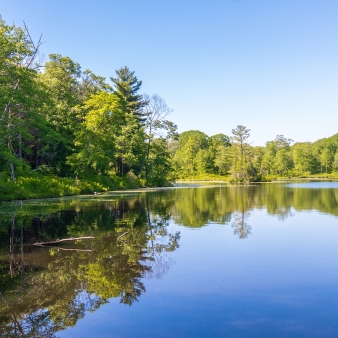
(44,187)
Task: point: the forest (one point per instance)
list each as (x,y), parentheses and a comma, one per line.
(197,155)
(66,131)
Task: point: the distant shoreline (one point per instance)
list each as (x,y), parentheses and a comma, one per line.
(150,189)
(272,181)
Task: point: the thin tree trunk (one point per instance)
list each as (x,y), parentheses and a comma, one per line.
(147,158)
(11,167)
(20,145)
(15,321)
(37,156)
(141,167)
(21,250)
(11,247)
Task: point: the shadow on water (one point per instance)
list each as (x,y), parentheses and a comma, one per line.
(117,242)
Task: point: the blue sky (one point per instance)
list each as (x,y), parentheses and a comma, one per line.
(270,65)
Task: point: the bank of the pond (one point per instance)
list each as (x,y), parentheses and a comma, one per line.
(50,187)
(53,187)
(205,178)
(272,179)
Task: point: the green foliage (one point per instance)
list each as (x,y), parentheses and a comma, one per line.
(130,145)
(23,100)
(160,164)
(70,279)
(242,169)
(62,77)
(126,87)
(65,122)
(39,186)
(219,149)
(304,159)
(194,154)
(207,177)
(96,139)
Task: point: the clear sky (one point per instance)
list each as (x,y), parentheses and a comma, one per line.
(270,65)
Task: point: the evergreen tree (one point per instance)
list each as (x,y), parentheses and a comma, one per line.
(242,167)
(126,87)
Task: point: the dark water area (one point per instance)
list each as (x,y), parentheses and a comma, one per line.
(192,261)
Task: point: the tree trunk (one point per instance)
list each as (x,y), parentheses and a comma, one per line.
(37,156)
(11,247)
(21,250)
(20,145)
(11,167)
(141,167)
(147,158)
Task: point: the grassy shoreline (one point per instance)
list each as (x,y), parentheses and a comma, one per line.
(26,188)
(227,179)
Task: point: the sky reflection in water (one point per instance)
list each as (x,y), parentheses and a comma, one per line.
(203,262)
(314,185)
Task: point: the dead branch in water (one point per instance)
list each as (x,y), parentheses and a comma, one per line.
(62,240)
(118,238)
(66,249)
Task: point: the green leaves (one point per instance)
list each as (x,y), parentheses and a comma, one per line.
(95,140)
(198,154)
(126,87)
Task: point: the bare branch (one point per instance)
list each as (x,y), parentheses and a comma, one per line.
(66,249)
(62,240)
(122,235)
(36,47)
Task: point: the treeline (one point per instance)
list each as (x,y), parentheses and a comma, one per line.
(59,120)
(189,207)
(66,131)
(197,155)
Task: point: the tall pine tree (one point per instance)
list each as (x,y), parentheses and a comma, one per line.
(126,87)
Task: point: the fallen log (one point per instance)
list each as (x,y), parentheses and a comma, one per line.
(62,240)
(66,249)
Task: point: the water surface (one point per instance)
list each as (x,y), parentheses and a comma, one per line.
(201,261)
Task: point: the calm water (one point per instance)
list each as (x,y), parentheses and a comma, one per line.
(202,261)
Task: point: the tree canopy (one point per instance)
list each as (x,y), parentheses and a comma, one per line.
(59,120)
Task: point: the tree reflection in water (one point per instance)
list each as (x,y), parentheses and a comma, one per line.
(241,227)
(45,290)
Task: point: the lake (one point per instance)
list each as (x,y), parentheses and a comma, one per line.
(200,260)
